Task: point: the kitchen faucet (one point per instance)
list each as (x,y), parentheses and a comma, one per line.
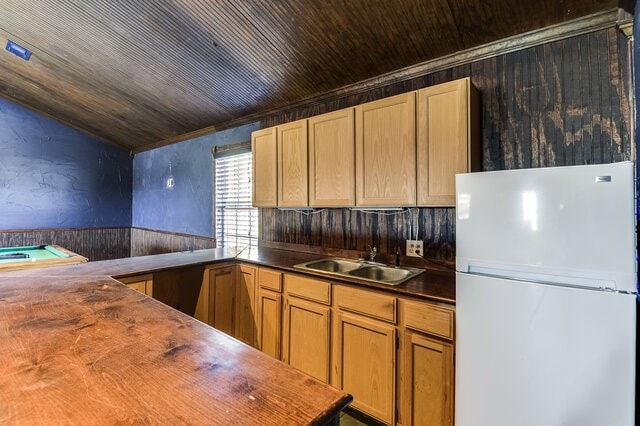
(373,252)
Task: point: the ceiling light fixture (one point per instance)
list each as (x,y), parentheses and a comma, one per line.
(18,50)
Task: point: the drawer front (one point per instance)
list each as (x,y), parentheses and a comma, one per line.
(366,302)
(308,288)
(427,318)
(270,279)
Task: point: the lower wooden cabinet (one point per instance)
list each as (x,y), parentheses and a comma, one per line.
(246,329)
(269,319)
(394,354)
(141,283)
(269,312)
(364,364)
(306,342)
(427,381)
(222,298)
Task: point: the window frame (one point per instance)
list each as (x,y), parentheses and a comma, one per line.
(238,241)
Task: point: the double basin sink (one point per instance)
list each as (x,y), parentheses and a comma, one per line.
(363,270)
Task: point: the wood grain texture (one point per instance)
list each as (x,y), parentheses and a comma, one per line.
(264,151)
(332,159)
(428,385)
(386,152)
(108,243)
(306,341)
(292,164)
(150,241)
(562,103)
(92,243)
(138,73)
(92,351)
(364,364)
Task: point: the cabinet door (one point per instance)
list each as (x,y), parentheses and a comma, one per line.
(292,164)
(386,152)
(364,364)
(444,140)
(427,393)
(269,322)
(245,305)
(265,176)
(222,292)
(332,164)
(141,283)
(306,334)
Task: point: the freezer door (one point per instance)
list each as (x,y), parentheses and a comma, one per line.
(530,355)
(568,225)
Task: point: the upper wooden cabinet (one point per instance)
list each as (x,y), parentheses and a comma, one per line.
(448,139)
(265,177)
(292,164)
(400,151)
(386,152)
(332,159)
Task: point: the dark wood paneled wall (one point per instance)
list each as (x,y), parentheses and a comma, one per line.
(92,243)
(108,243)
(561,103)
(148,241)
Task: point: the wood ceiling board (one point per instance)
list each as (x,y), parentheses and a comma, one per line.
(479,22)
(140,72)
(113,91)
(118,60)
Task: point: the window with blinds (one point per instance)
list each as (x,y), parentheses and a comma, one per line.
(235,220)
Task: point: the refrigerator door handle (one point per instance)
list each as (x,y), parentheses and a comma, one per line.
(568,278)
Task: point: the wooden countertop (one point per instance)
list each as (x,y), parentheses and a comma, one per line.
(436,285)
(89,350)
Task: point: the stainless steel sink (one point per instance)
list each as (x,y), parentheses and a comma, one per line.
(333,265)
(362,270)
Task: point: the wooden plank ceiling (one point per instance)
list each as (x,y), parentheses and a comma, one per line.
(135,73)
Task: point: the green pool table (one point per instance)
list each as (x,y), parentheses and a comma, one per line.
(14,258)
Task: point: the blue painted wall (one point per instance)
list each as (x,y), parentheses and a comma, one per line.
(52,176)
(188,206)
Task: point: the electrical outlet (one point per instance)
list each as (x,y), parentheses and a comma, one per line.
(414,247)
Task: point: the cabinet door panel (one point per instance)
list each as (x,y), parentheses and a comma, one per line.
(306,337)
(332,159)
(292,164)
(365,363)
(428,388)
(444,144)
(141,283)
(265,174)
(269,322)
(245,304)
(223,293)
(386,152)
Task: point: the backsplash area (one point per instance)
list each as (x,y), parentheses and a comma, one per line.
(355,230)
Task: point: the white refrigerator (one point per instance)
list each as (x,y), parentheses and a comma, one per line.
(546,290)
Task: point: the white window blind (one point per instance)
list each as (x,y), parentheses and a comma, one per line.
(235,220)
